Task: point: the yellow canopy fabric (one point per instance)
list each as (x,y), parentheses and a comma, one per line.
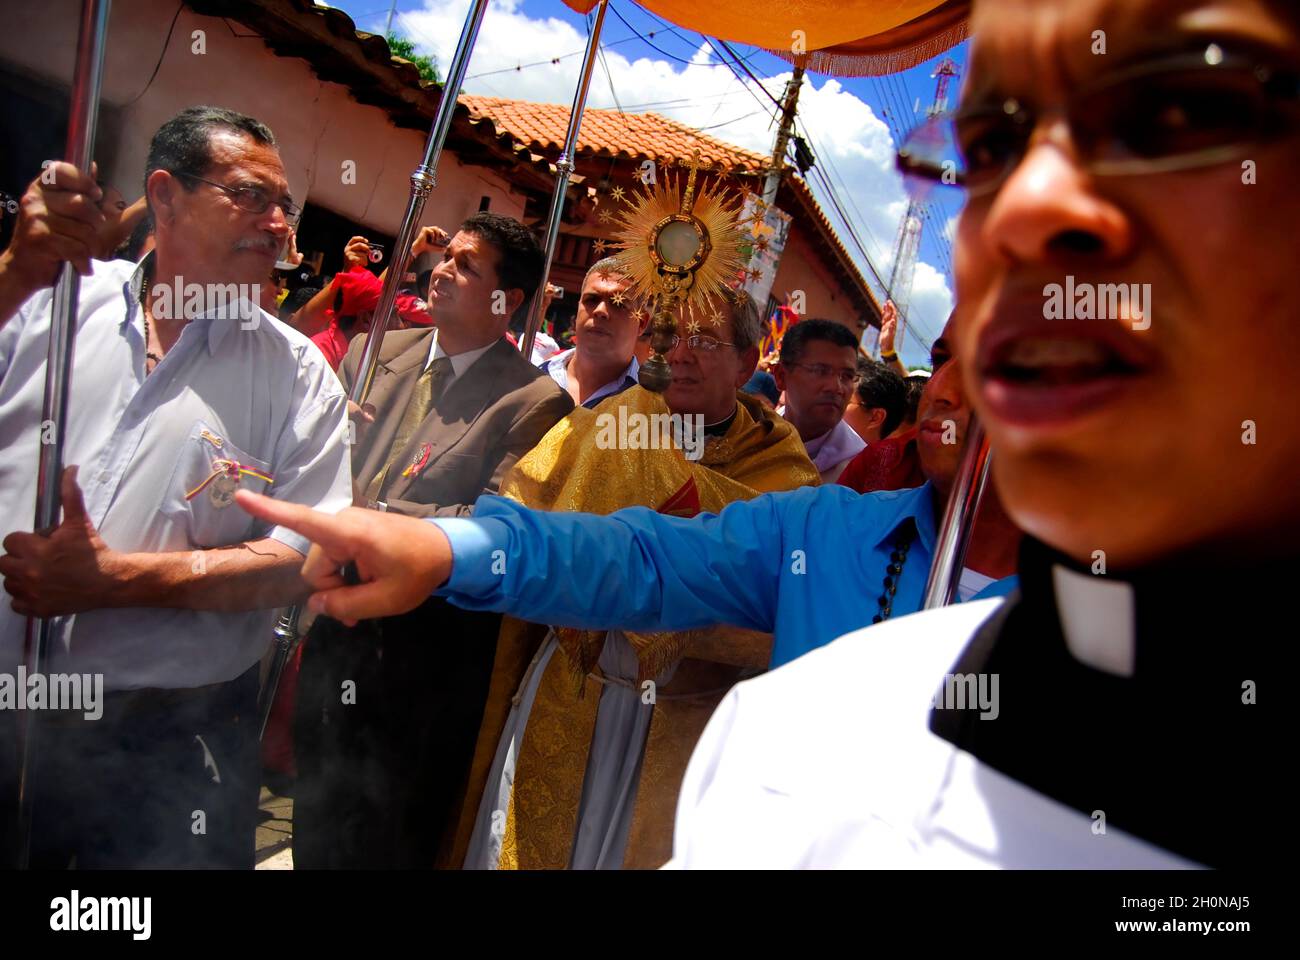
(847,39)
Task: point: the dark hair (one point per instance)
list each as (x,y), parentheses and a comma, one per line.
(182,144)
(296,300)
(746,325)
(130,250)
(521,256)
(805,331)
(882,388)
(915,387)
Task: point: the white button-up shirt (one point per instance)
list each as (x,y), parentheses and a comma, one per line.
(252,391)
(558,368)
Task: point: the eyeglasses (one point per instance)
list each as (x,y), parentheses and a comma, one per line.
(250,199)
(821,371)
(1173,113)
(700,342)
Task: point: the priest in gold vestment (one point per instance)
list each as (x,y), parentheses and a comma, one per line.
(586,734)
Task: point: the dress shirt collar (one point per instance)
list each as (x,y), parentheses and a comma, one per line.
(1097,619)
(461,361)
(841,442)
(899,506)
(217,326)
(558,367)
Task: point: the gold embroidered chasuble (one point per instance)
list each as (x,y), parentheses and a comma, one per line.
(570,470)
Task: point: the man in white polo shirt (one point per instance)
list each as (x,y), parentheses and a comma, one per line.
(182,391)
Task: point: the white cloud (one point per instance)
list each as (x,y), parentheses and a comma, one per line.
(848,138)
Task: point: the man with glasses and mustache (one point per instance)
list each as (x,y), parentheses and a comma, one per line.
(818,369)
(158,583)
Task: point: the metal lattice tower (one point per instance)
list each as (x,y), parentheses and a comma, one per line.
(906,247)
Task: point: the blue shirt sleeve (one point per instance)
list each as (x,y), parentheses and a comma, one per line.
(634,569)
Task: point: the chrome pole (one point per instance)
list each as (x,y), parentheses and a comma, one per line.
(563,169)
(953,536)
(83,114)
(423,180)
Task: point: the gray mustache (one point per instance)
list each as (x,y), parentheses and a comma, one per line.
(269,245)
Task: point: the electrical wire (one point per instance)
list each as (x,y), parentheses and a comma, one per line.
(541,63)
(161,54)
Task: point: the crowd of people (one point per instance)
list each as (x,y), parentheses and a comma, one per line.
(528,648)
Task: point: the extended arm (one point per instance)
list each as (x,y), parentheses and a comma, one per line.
(634,569)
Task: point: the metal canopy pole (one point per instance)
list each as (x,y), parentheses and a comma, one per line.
(563,168)
(954,532)
(423,180)
(83,114)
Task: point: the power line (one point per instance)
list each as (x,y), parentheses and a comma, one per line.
(712,126)
(835,173)
(538,63)
(723,61)
(749,73)
(661,50)
(674,30)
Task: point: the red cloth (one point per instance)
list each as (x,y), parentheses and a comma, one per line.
(891,464)
(332,342)
(361,288)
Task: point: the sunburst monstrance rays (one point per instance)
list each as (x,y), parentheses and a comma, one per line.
(634,235)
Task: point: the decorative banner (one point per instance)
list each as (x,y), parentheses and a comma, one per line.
(764,241)
(782,319)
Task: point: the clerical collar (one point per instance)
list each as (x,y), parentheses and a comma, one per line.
(1113,689)
(1097,617)
(722,426)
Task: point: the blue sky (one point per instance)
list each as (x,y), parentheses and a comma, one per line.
(852,123)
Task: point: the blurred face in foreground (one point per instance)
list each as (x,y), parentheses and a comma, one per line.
(942,416)
(1166,427)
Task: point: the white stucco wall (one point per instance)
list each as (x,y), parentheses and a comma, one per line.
(318,124)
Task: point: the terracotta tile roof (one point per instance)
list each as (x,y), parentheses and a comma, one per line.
(609,132)
(637,136)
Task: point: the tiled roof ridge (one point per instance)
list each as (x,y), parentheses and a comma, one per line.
(482,105)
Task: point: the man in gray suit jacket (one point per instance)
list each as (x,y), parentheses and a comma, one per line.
(386,721)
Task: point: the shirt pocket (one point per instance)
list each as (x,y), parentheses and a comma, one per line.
(200,495)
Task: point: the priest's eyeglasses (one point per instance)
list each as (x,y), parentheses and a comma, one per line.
(700,342)
(251,199)
(1173,113)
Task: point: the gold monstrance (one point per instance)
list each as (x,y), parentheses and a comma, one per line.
(679,250)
